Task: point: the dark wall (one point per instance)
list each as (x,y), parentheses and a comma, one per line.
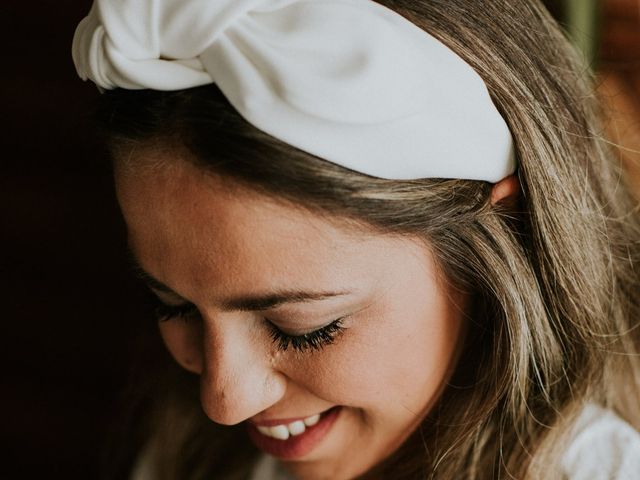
(70,309)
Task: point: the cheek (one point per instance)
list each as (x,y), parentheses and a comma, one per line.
(385,363)
(183,340)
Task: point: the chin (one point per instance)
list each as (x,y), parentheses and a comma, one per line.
(324,470)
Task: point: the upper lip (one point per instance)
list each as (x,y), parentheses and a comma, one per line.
(281,421)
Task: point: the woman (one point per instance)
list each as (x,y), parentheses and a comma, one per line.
(324,200)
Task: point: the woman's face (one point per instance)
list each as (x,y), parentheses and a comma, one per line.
(242,273)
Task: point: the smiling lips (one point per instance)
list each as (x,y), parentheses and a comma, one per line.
(292,439)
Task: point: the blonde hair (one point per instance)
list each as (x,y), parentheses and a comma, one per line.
(555,282)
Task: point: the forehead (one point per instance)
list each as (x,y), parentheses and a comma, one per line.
(185,223)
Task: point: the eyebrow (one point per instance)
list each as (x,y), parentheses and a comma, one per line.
(243,303)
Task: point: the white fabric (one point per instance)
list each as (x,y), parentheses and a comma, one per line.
(349,81)
(603,447)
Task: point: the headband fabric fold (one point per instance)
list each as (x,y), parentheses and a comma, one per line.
(349,81)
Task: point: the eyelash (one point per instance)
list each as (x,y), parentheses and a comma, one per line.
(314,340)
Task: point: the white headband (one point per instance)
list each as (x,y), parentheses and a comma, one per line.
(349,81)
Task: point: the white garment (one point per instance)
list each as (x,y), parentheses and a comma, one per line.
(603,447)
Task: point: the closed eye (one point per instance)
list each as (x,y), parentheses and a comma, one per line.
(310,341)
(314,340)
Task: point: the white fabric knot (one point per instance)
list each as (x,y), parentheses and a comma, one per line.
(350,81)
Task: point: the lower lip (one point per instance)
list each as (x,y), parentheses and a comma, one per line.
(295,446)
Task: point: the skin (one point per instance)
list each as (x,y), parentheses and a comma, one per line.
(208,240)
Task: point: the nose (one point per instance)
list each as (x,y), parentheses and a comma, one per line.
(238,379)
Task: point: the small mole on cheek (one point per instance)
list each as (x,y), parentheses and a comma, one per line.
(274,355)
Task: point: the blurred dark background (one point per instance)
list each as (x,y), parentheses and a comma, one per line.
(72,311)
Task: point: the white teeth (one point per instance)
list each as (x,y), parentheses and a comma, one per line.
(312,420)
(297,427)
(282,432)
